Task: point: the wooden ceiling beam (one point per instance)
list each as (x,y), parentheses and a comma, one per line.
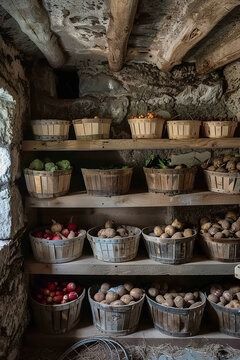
(34,22)
(122,13)
(195,22)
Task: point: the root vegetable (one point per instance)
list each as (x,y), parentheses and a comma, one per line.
(168,302)
(121,290)
(226,233)
(227,295)
(158,231)
(126,299)
(177,224)
(224,224)
(212,231)
(168,296)
(188,232)
(206,226)
(71,235)
(99,296)
(111,296)
(223,301)
(218,235)
(104,288)
(128,286)
(234,289)
(109,224)
(211,168)
(213,298)
(136,293)
(235,226)
(231,165)
(117,303)
(196,295)
(122,232)
(189,296)
(160,299)
(231,215)
(170,230)
(102,233)
(110,233)
(237,234)
(178,301)
(153,292)
(103,302)
(56,227)
(204,220)
(177,235)
(216,290)
(164,236)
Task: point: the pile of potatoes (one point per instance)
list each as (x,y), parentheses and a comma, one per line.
(174,297)
(227,226)
(111,230)
(120,295)
(176,230)
(224,164)
(229,298)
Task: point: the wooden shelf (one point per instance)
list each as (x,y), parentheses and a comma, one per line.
(82,200)
(141,266)
(128,144)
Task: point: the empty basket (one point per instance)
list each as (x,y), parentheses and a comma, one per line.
(92,129)
(228,183)
(219,129)
(226,250)
(183,129)
(145,128)
(50,129)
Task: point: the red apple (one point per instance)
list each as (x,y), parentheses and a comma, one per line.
(59,293)
(71,287)
(72,295)
(57,299)
(51,286)
(72,226)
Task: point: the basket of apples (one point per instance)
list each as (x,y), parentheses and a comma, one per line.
(57,243)
(56,305)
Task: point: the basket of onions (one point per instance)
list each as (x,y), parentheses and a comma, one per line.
(56,306)
(57,243)
(116,310)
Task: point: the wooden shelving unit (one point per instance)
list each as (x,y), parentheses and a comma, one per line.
(129,144)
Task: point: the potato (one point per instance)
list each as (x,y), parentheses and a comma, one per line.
(234,289)
(153,292)
(99,296)
(212,231)
(178,301)
(104,288)
(110,233)
(204,220)
(227,295)
(136,293)
(103,302)
(238,295)
(111,296)
(188,232)
(235,226)
(231,165)
(231,215)
(168,296)
(126,299)
(160,299)
(102,233)
(177,224)
(170,230)
(237,234)
(109,224)
(206,226)
(196,304)
(216,290)
(122,232)
(223,301)
(217,226)
(224,224)
(164,236)
(226,233)
(213,298)
(128,286)
(121,290)
(177,235)
(117,303)
(218,235)
(158,231)
(168,302)
(217,162)
(189,296)
(196,295)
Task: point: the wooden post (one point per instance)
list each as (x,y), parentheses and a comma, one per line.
(122,15)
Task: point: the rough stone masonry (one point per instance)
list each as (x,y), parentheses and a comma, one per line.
(13,296)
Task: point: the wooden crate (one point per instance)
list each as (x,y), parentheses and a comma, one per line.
(228,183)
(146,128)
(115,320)
(107,182)
(50,129)
(174,321)
(169,251)
(92,129)
(57,251)
(228,319)
(114,250)
(226,250)
(173,181)
(47,184)
(57,319)
(219,129)
(183,129)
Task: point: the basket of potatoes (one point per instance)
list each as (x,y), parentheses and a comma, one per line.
(222,174)
(221,237)
(116,309)
(174,311)
(170,244)
(225,303)
(114,243)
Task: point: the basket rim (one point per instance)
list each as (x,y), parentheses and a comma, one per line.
(60,242)
(221,241)
(211,172)
(49,306)
(163,240)
(173,122)
(44,172)
(219,122)
(110,239)
(222,308)
(174,309)
(92,120)
(102,171)
(67,122)
(106,306)
(130,120)
(192,169)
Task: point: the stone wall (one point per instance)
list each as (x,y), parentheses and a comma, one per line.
(13,296)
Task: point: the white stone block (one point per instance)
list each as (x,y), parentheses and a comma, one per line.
(9,164)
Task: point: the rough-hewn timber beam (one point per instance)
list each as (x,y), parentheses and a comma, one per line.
(122,15)
(222,49)
(34,22)
(195,22)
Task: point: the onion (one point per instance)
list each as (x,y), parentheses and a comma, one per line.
(56,227)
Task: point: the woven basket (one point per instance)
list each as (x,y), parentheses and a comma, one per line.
(107,182)
(174,321)
(219,129)
(47,184)
(57,251)
(146,128)
(173,181)
(50,129)
(169,251)
(115,320)
(57,319)
(92,129)
(228,183)
(226,250)
(183,129)
(114,249)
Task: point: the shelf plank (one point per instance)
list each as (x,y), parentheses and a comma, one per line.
(128,144)
(82,200)
(141,266)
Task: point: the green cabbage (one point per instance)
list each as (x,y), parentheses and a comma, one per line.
(64,165)
(50,166)
(36,165)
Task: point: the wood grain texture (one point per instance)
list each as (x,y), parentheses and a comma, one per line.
(129,144)
(122,15)
(195,21)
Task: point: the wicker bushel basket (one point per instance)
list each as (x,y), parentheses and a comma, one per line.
(219,129)
(50,129)
(228,319)
(174,321)
(115,320)
(57,319)
(57,251)
(145,128)
(114,250)
(47,184)
(183,129)
(107,182)
(228,183)
(92,129)
(226,250)
(173,181)
(169,251)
